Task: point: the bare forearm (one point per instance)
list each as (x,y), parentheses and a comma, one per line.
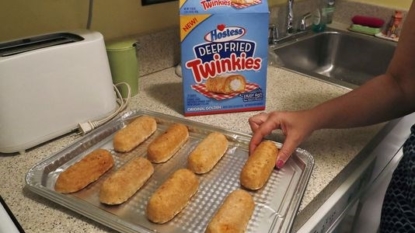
(379,100)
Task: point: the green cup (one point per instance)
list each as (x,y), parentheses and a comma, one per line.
(122,57)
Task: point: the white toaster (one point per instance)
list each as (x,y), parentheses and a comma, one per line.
(51,83)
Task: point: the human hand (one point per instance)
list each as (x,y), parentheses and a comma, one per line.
(296,126)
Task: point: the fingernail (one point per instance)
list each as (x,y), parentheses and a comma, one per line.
(280,164)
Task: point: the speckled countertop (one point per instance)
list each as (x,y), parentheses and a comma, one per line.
(334,150)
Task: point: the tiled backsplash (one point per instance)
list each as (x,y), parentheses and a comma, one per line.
(158,51)
(161,50)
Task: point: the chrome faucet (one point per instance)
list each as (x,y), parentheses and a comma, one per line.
(290,16)
(290,31)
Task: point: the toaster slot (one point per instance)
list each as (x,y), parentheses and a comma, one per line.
(37,42)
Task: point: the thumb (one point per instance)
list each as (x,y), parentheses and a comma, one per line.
(285,153)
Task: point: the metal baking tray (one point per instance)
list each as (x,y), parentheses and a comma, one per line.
(276,204)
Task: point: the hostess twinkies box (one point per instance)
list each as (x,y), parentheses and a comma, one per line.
(224,49)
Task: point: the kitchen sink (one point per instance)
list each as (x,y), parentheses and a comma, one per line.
(339,57)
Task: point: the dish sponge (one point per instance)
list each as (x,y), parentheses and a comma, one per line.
(368,21)
(364,29)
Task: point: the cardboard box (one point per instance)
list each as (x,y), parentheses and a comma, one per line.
(224,55)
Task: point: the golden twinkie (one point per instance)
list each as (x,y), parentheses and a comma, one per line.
(224,49)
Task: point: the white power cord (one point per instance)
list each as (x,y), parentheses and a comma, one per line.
(86,127)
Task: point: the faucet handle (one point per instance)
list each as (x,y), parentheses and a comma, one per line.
(303,22)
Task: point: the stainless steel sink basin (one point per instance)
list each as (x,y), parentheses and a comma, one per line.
(339,57)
